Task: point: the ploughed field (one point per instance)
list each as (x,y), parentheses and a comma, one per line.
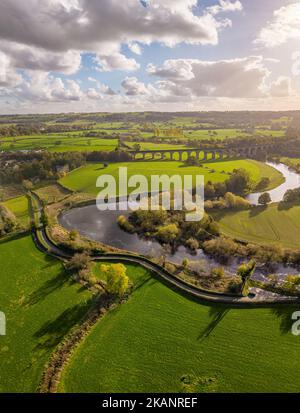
(84,179)
(161,341)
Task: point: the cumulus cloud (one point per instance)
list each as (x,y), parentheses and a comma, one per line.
(225,6)
(133,87)
(116,61)
(284,26)
(281,87)
(31,58)
(179,69)
(135,48)
(8,76)
(224,78)
(51,36)
(41,87)
(100,88)
(59,25)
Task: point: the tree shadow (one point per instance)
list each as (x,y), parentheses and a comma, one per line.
(217,314)
(255,211)
(47,288)
(284,314)
(149,281)
(50,262)
(286,206)
(52,332)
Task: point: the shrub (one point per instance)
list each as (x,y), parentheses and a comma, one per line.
(79,262)
(116,279)
(264,199)
(218,272)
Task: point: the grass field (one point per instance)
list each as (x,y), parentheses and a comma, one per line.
(160,341)
(149,146)
(40,305)
(19,206)
(84,179)
(58,143)
(294,161)
(270,225)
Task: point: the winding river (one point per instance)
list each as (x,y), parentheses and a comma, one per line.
(103,227)
(292,181)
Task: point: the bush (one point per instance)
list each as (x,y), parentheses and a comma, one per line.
(116,279)
(79,262)
(264,199)
(218,272)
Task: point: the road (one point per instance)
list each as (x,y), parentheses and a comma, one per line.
(45,244)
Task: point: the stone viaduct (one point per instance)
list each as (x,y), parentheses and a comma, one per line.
(199,154)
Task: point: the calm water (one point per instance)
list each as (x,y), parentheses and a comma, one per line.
(103,227)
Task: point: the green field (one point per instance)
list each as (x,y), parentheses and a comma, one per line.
(84,179)
(160,341)
(270,225)
(58,143)
(19,207)
(40,305)
(149,146)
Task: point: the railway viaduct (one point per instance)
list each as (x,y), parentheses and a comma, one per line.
(200,154)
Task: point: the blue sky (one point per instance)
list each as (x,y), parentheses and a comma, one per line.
(86,55)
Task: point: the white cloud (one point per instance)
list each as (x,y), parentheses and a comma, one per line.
(116,61)
(8,76)
(41,87)
(85,24)
(284,26)
(179,69)
(32,58)
(135,48)
(225,6)
(133,87)
(281,87)
(224,78)
(94,94)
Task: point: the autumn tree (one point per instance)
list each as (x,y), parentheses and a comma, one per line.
(245,271)
(116,279)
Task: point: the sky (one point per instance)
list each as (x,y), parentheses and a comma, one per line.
(136,55)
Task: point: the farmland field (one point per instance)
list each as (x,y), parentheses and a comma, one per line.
(51,193)
(58,143)
(84,179)
(160,341)
(19,207)
(40,304)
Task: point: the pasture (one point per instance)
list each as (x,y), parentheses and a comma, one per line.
(270,225)
(58,143)
(161,341)
(84,179)
(41,304)
(19,207)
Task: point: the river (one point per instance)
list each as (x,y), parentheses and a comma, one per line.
(292,181)
(103,227)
